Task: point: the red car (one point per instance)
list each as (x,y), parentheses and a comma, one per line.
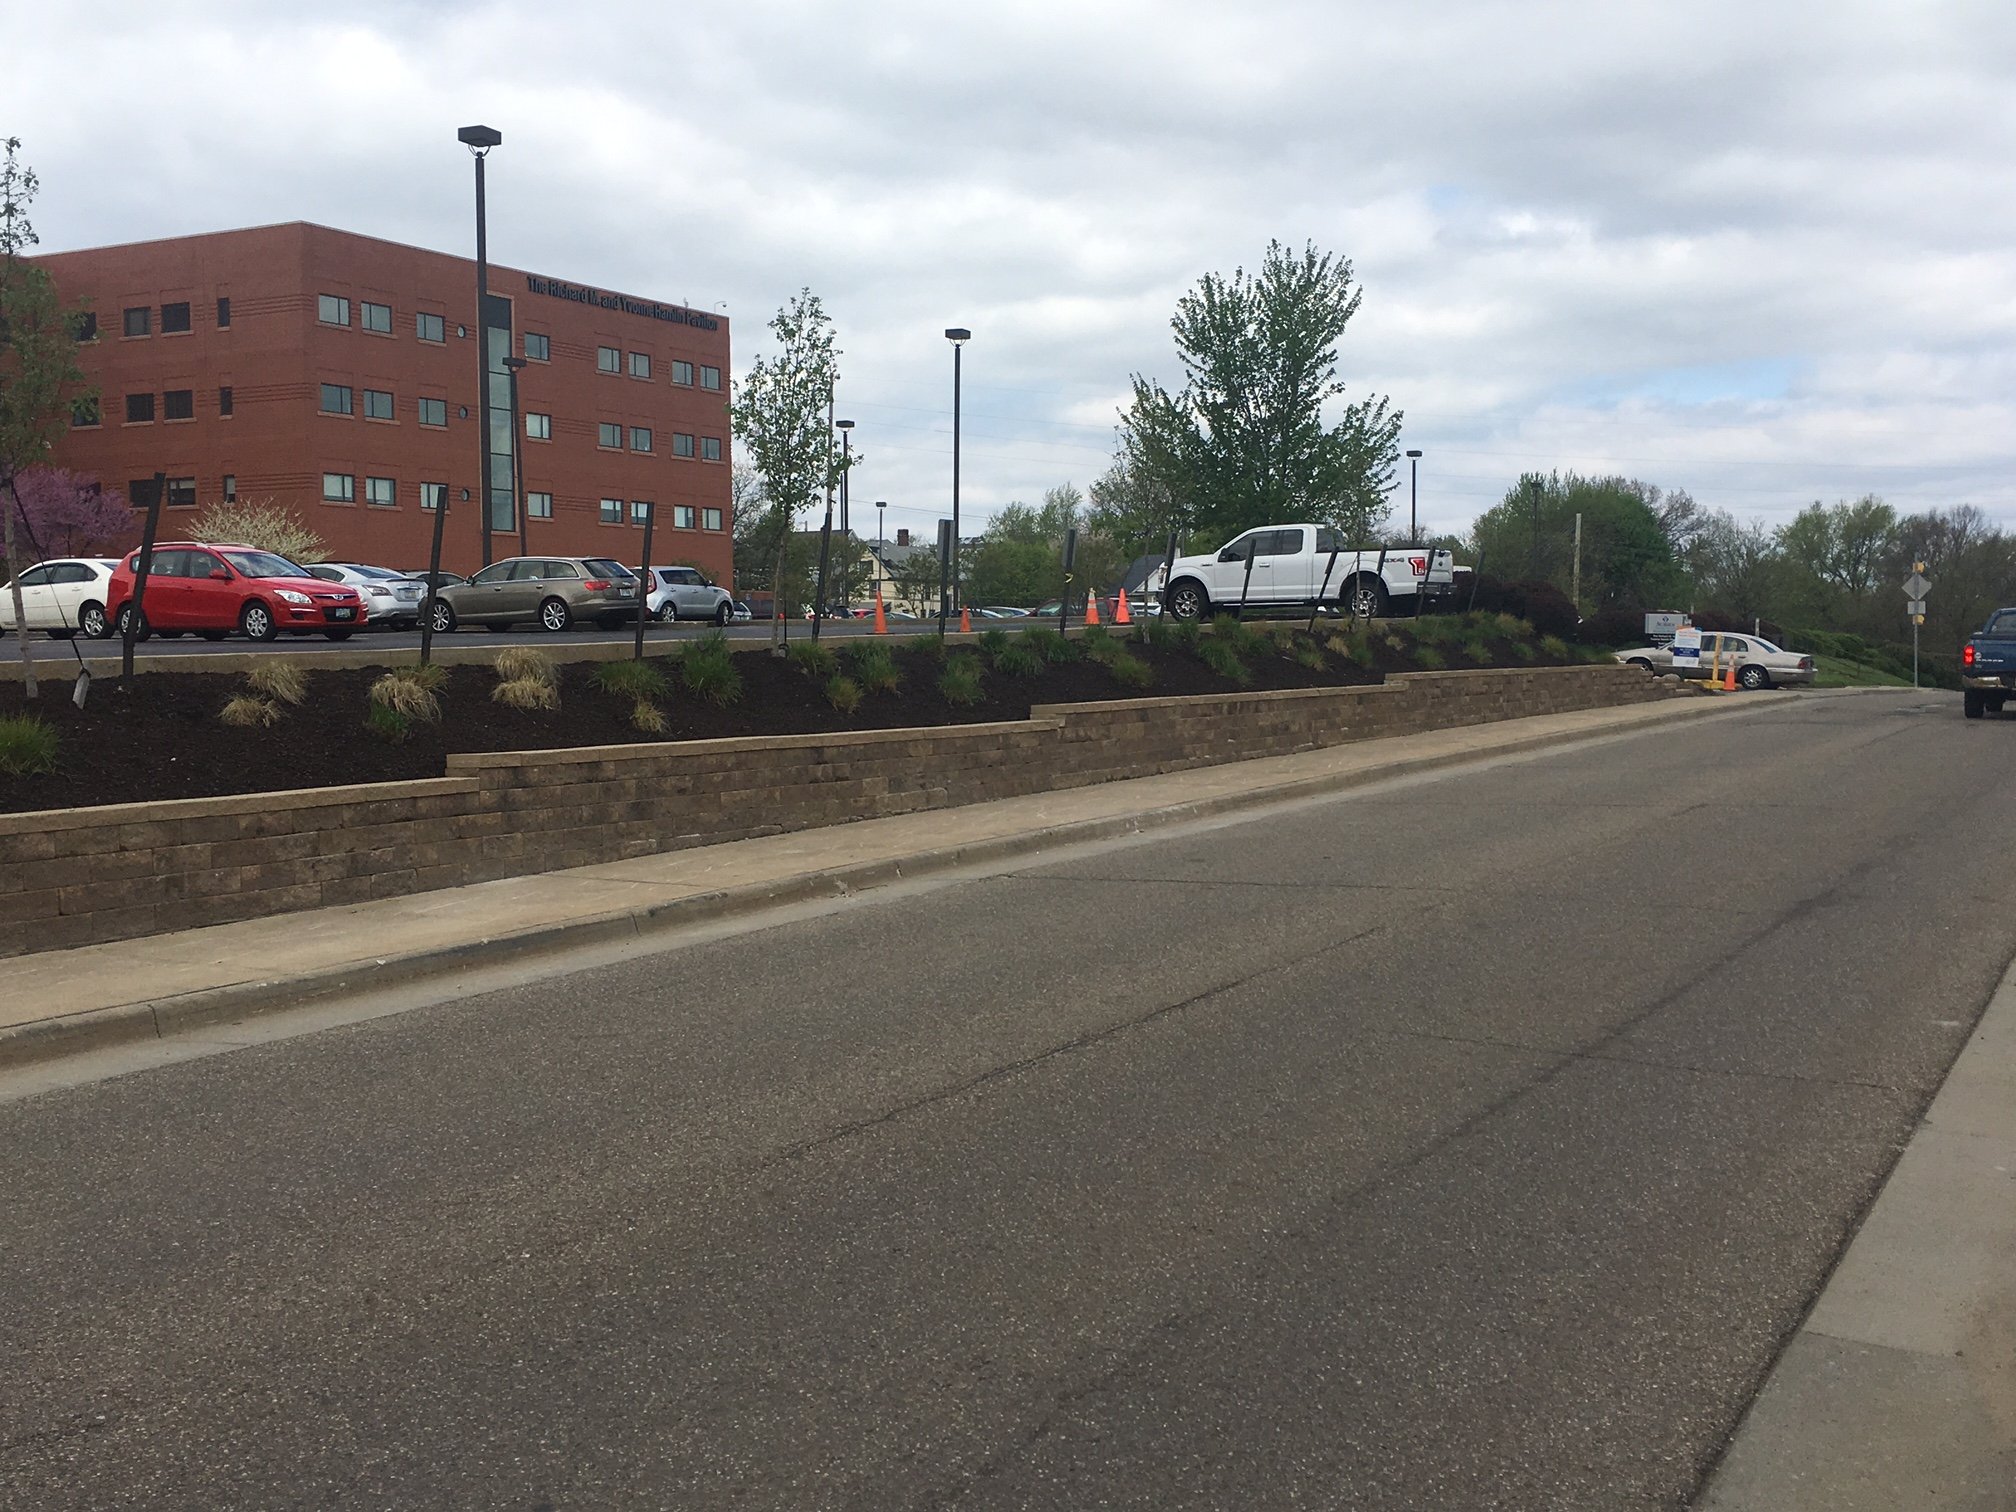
(214,589)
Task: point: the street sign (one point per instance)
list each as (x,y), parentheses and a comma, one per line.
(1917,586)
(1661,626)
(1916,608)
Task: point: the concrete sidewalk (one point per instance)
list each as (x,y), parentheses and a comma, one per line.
(67,1000)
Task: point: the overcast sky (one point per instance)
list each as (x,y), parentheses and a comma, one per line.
(1761,251)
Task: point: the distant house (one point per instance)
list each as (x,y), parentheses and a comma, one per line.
(886,558)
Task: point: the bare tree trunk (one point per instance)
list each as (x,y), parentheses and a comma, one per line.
(779,631)
(14,586)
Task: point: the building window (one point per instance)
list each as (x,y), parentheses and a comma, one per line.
(84,413)
(538,427)
(140,321)
(139,408)
(682,516)
(230,488)
(377,404)
(710,519)
(224,314)
(381,493)
(224,400)
(430,327)
(611,435)
(174,318)
(339,488)
(539,506)
(710,378)
(181,493)
(682,373)
(537,347)
(682,444)
(337,399)
(375,317)
(640,511)
(640,364)
(433,411)
(608,360)
(179,404)
(710,448)
(332,309)
(433,495)
(612,511)
(84,325)
(640,438)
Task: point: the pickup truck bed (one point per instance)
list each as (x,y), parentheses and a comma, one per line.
(1988,665)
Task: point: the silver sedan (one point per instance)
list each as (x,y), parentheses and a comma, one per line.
(1758,663)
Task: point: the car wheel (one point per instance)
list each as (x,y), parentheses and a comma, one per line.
(667,613)
(554,615)
(337,635)
(1187,601)
(444,618)
(1366,598)
(91,620)
(1973,703)
(723,614)
(136,622)
(1639,661)
(1753,678)
(256,620)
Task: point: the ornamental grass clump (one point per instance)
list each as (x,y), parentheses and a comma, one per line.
(992,642)
(1438,629)
(1129,670)
(708,670)
(872,665)
(406,696)
(1307,653)
(527,693)
(1049,645)
(1222,657)
(523,664)
(1429,659)
(28,746)
(278,680)
(248,711)
(959,682)
(1244,639)
(630,679)
(647,718)
(1554,646)
(813,659)
(843,693)
(1018,661)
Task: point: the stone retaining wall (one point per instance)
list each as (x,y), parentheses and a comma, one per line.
(76,876)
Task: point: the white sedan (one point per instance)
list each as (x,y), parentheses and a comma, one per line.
(62,596)
(390,598)
(1758,663)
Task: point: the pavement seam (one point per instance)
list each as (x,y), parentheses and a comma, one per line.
(162,1018)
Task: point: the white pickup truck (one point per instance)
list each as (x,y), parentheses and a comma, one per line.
(1302,565)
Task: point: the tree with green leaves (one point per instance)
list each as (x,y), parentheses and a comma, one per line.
(1246,440)
(782,417)
(39,376)
(1627,558)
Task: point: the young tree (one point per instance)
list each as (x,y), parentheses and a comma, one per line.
(39,376)
(1244,442)
(262,523)
(1627,559)
(63,513)
(780,413)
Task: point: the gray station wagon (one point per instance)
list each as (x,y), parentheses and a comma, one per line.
(555,591)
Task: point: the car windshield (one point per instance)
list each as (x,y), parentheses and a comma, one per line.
(376,572)
(604,567)
(264,564)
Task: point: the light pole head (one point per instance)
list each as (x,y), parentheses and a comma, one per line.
(479,139)
(844,425)
(957,334)
(1414,454)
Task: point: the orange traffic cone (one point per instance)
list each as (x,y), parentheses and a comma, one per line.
(1729,678)
(881,619)
(965,620)
(1091,608)
(1121,616)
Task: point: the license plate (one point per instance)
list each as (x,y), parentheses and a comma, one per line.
(336,614)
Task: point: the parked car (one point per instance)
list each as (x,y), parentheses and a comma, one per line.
(678,593)
(1300,565)
(442,579)
(1002,611)
(743,613)
(63,596)
(554,591)
(214,589)
(1758,663)
(1988,666)
(391,599)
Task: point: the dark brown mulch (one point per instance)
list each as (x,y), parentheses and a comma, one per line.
(163,739)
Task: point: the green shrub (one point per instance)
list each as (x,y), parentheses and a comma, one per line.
(281,681)
(387,723)
(248,711)
(1477,647)
(708,670)
(1429,659)
(1308,654)
(523,664)
(1222,657)
(1524,650)
(1554,646)
(1130,671)
(1512,627)
(1097,642)
(28,746)
(816,661)
(874,667)
(1048,644)
(431,675)
(1018,661)
(1438,629)
(843,693)
(992,642)
(959,681)
(630,679)
(1244,638)
(406,698)
(931,647)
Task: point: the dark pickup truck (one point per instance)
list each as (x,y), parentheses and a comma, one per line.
(1988,665)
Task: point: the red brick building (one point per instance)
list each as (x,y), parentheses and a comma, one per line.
(338,375)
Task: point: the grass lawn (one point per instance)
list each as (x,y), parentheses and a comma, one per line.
(1839,672)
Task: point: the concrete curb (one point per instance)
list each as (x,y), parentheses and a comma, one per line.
(160,1017)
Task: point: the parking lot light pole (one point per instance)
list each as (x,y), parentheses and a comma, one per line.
(433,576)
(479,140)
(958,336)
(512,366)
(846,429)
(1414,498)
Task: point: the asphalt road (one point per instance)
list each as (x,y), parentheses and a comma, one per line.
(1472,1142)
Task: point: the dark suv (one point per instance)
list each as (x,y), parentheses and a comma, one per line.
(555,591)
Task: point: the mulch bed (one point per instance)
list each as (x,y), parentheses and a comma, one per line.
(162,737)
